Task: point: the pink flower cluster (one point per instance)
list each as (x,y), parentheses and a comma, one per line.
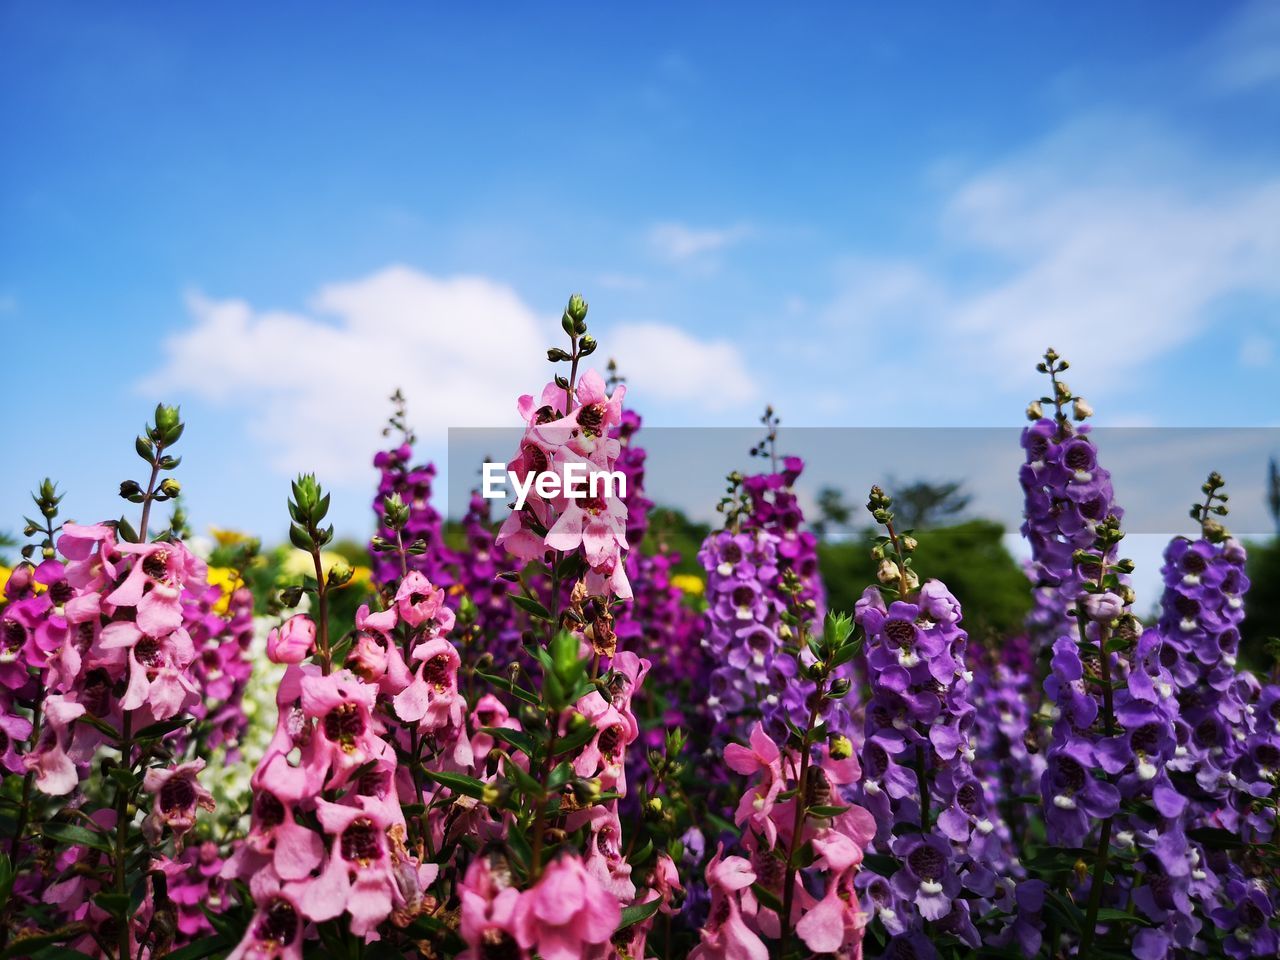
(565,428)
(740,921)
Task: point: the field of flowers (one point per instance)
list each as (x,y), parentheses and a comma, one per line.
(532,738)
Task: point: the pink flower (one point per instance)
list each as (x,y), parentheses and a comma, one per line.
(157,667)
(565,912)
(757,803)
(55,770)
(178,794)
(154,584)
(488,913)
(419,602)
(293,642)
(726,935)
(432,698)
(605,753)
(274,933)
(665,881)
(276,838)
(345,736)
(360,877)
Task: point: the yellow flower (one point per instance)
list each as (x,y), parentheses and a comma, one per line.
(362,576)
(226,580)
(5,573)
(228,538)
(689,583)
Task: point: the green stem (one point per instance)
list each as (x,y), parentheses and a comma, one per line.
(149,495)
(122,832)
(322,610)
(797,826)
(1109,726)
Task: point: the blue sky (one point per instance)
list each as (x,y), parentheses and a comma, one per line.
(868,214)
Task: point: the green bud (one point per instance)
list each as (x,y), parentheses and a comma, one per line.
(587,346)
(170,487)
(340,574)
(166,418)
(556,355)
(577,309)
(396,512)
(130,489)
(841,747)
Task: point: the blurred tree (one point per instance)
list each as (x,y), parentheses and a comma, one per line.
(922,504)
(834,513)
(1273,492)
(969,557)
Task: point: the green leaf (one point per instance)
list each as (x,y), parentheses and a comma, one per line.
(638,913)
(516,738)
(71,833)
(457,782)
(201,948)
(502,683)
(155,731)
(116,904)
(27,946)
(1111,915)
(531,606)
(826,811)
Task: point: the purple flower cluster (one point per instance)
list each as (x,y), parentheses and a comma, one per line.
(917,768)
(775,509)
(1067,493)
(1228,732)
(413,486)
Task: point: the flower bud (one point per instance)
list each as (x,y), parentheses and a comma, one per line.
(577,309)
(840,747)
(292,642)
(1103,607)
(170,487)
(1080,409)
(1034,410)
(340,573)
(908,543)
(888,571)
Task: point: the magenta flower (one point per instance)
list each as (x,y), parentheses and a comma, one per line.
(757,803)
(360,876)
(432,698)
(154,584)
(725,935)
(420,602)
(157,667)
(567,911)
(292,643)
(274,933)
(488,913)
(55,771)
(178,795)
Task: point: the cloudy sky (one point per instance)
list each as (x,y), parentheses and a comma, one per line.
(866,214)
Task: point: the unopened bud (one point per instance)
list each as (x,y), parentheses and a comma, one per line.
(888,571)
(1034,410)
(1080,409)
(840,748)
(170,487)
(577,309)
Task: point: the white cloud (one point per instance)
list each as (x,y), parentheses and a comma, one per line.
(681,243)
(666,362)
(1108,239)
(315,385)
(1245,54)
